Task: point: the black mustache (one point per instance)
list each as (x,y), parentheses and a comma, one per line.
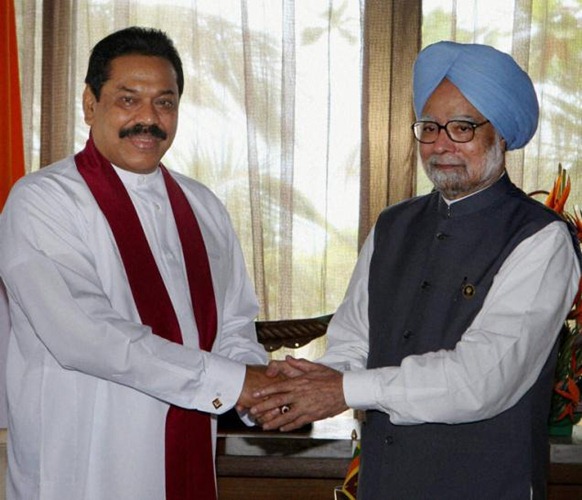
(139,129)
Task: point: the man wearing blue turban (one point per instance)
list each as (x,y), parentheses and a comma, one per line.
(447,334)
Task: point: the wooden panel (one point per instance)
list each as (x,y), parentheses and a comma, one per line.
(565,474)
(247,488)
(282,467)
(561,492)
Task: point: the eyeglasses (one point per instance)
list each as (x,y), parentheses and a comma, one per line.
(427,132)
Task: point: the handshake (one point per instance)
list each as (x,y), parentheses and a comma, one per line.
(289,394)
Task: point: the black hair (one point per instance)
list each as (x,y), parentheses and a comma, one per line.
(133,40)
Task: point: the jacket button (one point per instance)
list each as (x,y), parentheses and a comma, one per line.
(407,334)
(441,236)
(424,285)
(389,440)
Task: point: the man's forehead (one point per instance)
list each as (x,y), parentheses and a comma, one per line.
(140,65)
(129,89)
(135,72)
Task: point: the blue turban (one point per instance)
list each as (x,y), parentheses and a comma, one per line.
(489,79)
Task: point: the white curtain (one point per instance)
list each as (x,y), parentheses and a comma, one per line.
(297,113)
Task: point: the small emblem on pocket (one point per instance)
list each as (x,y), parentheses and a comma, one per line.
(468,291)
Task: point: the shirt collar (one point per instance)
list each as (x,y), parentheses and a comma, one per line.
(135,180)
(476,201)
(450,202)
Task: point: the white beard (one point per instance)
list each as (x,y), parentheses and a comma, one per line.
(457,182)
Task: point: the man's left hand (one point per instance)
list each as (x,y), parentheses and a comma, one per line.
(315,395)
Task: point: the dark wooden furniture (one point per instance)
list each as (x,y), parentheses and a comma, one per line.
(305,464)
(290,477)
(565,481)
(565,476)
(279,478)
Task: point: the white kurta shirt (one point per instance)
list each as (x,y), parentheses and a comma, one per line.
(88,385)
(496,361)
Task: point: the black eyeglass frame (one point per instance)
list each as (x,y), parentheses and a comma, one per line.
(440,127)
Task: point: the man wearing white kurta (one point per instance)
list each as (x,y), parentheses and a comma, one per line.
(89,385)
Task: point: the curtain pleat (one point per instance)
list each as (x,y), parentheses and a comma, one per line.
(11,139)
(253,164)
(388,162)
(58,87)
(27,14)
(521,48)
(285,275)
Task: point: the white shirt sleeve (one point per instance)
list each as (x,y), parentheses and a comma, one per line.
(347,333)
(496,361)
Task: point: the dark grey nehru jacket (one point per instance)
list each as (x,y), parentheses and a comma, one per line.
(431,269)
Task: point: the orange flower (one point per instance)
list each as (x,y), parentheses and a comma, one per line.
(558,196)
(572,393)
(569,369)
(576,220)
(576,312)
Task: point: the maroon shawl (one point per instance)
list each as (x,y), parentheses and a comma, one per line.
(189,461)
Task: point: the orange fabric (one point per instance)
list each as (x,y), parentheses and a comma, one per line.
(11,139)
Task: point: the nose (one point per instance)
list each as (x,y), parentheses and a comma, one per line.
(443,142)
(147,113)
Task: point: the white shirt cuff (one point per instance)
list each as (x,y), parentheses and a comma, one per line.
(359,389)
(223,384)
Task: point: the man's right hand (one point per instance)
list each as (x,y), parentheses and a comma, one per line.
(257,377)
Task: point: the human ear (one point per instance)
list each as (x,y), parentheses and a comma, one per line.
(89,102)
